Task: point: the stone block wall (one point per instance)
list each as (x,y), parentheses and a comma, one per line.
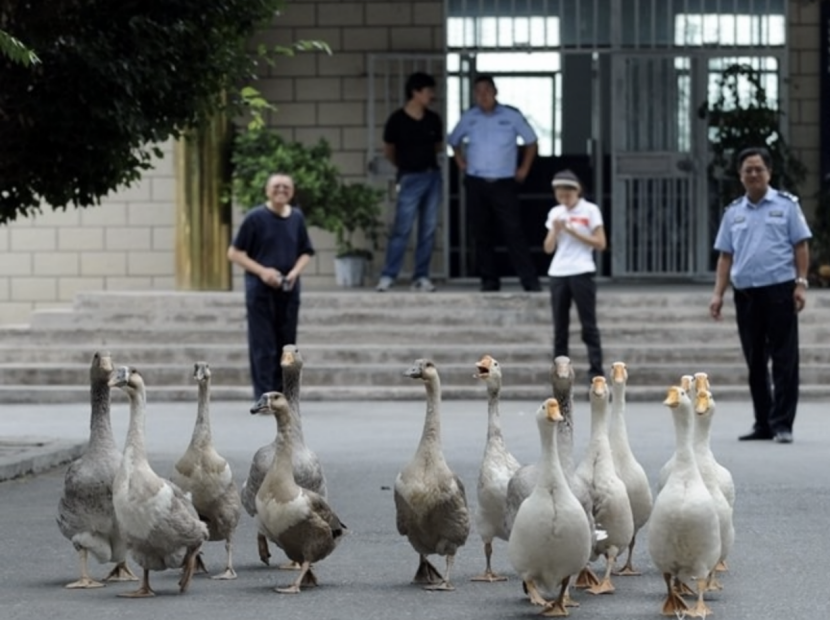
(127,243)
(804,94)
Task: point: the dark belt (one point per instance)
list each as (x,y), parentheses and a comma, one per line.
(489,179)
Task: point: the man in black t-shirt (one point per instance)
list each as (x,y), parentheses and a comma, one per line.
(411,139)
(273,247)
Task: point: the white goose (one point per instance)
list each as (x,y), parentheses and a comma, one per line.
(705,409)
(207,476)
(497,466)
(703,451)
(430,501)
(684,531)
(85,513)
(611,508)
(551,537)
(156,517)
(523,482)
(299,521)
(308,472)
(628,469)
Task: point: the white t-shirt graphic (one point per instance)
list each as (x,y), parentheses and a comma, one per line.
(572,256)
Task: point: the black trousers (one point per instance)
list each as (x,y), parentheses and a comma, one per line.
(492,204)
(272,324)
(582,290)
(768,328)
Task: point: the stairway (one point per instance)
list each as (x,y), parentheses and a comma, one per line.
(356,343)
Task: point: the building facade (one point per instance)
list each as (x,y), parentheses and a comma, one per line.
(612,87)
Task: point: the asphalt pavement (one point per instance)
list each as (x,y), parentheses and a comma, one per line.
(781,516)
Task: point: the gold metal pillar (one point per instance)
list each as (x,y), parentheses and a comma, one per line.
(203,219)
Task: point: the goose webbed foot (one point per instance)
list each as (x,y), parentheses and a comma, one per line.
(144,590)
(262,546)
(533,593)
(722,566)
(674,605)
(444,585)
(712,583)
(605,586)
(121,572)
(628,569)
(556,609)
(306,579)
(489,576)
(701,609)
(586,578)
(228,573)
(426,572)
(85,582)
(682,589)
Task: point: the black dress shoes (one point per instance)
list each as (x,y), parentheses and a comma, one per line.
(755,436)
(783,437)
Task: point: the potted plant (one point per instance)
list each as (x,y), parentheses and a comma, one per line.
(350,211)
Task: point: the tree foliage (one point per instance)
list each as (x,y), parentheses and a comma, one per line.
(16,51)
(114,80)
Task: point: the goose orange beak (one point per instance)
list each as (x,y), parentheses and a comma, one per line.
(686,382)
(702,402)
(673,396)
(599,386)
(483,367)
(552,410)
(619,374)
(701,381)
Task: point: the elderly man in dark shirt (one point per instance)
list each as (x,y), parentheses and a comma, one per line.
(273,247)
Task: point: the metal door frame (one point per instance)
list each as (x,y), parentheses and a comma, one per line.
(698,154)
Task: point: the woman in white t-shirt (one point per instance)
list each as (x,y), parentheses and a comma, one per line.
(575,230)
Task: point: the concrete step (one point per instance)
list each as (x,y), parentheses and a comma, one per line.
(383,333)
(357,354)
(381,375)
(157,396)
(463,314)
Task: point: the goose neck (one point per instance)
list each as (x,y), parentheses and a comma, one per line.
(202,430)
(431,435)
(551,475)
(291,390)
(284,455)
(100,424)
(135,432)
(618,432)
(493,416)
(684,452)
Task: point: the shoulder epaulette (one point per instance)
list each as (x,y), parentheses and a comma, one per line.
(510,107)
(788,195)
(733,203)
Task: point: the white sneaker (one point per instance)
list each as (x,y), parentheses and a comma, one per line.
(423,284)
(384,284)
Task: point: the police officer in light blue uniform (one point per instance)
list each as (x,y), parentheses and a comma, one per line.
(764,250)
(489,160)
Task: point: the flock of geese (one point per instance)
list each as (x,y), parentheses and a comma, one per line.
(556,516)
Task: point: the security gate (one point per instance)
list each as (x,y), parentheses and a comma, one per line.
(656,194)
(386,83)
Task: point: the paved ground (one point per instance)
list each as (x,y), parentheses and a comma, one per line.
(776,565)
